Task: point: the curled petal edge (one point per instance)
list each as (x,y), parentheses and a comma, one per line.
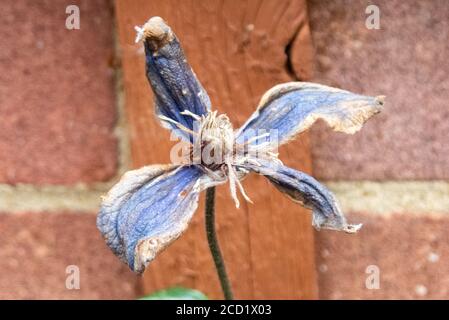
(175,85)
(148,209)
(293,107)
(308,192)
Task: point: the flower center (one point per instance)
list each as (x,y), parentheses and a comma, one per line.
(215,149)
(215,140)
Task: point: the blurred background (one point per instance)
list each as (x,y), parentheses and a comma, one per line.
(76,113)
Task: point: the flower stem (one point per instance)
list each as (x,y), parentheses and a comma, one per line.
(213,244)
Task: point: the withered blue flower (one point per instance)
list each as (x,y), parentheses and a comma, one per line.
(151,207)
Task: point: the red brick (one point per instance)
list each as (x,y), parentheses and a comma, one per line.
(57,100)
(412,253)
(37,248)
(406,60)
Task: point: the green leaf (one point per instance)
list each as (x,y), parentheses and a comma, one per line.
(176,293)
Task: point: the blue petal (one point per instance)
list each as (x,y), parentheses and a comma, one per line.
(305,190)
(291,108)
(174,84)
(147,210)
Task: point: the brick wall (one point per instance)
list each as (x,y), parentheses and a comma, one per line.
(392,176)
(60,148)
(63,143)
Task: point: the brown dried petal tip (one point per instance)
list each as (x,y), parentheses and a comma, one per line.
(156,31)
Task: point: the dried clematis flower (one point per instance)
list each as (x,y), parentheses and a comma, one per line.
(151,207)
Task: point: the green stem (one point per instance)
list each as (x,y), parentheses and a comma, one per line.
(213,244)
